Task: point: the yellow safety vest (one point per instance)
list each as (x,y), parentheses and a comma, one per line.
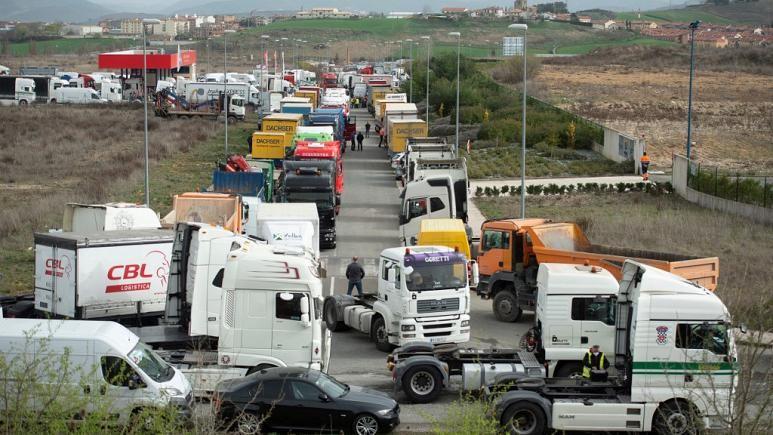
(586,370)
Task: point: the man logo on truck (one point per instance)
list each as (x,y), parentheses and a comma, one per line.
(155,267)
(58,267)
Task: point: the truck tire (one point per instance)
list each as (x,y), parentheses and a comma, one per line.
(380,335)
(506,307)
(524,418)
(566,369)
(422,384)
(331,317)
(677,417)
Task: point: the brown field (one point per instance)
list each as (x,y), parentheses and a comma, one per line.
(54,154)
(670,224)
(732,106)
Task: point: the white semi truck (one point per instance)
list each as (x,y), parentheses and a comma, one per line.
(16,91)
(673,363)
(423,294)
(236,305)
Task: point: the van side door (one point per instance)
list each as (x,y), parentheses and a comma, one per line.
(121,386)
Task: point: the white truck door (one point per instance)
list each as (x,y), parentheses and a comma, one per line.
(416,209)
(707,366)
(55,272)
(292,334)
(597,322)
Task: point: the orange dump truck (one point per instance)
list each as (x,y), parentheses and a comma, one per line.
(221,209)
(510,251)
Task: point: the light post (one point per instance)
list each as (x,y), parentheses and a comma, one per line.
(428,53)
(693,26)
(283,55)
(263,58)
(458,60)
(410,65)
(145,102)
(225,85)
(523,27)
(276,42)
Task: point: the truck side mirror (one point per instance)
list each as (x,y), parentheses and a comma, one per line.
(474,274)
(391,275)
(305,308)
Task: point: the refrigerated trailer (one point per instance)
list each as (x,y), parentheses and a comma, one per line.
(102,275)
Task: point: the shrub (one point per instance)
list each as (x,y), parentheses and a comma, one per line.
(479,191)
(495,191)
(511,70)
(505,189)
(620,187)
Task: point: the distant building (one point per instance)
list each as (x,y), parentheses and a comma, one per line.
(455,11)
(584,18)
(81,30)
(131,26)
(640,25)
(323,13)
(491,11)
(401,15)
(605,24)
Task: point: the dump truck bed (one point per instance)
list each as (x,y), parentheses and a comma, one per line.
(565,243)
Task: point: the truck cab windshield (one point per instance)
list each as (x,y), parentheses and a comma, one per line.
(323,200)
(436,277)
(150,363)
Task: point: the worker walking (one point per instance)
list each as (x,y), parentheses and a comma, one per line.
(593,360)
(367,129)
(381,134)
(354,273)
(645,164)
(360,138)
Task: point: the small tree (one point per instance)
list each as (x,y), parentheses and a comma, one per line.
(571,132)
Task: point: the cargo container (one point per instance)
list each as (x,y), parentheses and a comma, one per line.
(402,129)
(445,232)
(285,123)
(241,183)
(268,145)
(219,209)
(393,110)
(102,275)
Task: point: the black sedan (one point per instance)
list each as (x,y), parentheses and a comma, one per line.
(302,400)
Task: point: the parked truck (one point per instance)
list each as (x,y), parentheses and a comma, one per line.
(670,370)
(220,209)
(16,91)
(114,216)
(423,294)
(198,91)
(312,181)
(400,130)
(324,151)
(511,250)
(236,305)
(102,275)
(287,224)
(167,105)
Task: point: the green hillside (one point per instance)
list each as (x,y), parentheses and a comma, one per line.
(757,12)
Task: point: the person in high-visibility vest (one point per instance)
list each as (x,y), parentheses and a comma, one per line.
(593,360)
(645,164)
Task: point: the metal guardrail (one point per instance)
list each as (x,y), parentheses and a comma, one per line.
(739,187)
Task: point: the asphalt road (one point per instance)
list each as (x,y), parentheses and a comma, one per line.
(367,224)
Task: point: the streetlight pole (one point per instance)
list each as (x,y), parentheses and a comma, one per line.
(410,65)
(523,27)
(145,103)
(428,54)
(693,26)
(263,58)
(458,60)
(226,104)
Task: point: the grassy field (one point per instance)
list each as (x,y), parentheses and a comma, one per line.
(670,224)
(752,12)
(676,15)
(73,46)
(55,154)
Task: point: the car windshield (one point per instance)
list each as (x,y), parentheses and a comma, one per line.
(322,199)
(436,277)
(330,386)
(150,363)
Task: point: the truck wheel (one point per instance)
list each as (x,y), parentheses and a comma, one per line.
(506,307)
(422,384)
(331,317)
(22,102)
(566,369)
(381,335)
(676,418)
(523,418)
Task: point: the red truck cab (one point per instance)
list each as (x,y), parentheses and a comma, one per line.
(305,150)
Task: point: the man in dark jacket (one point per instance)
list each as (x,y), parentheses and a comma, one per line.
(367,129)
(354,273)
(360,138)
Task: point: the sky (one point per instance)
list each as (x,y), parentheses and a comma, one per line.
(154,6)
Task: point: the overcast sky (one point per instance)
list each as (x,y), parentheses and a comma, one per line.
(154,6)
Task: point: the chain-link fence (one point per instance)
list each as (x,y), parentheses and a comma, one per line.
(749,189)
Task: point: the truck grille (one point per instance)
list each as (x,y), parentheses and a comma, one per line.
(437,305)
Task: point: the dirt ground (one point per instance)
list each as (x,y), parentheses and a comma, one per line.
(732,111)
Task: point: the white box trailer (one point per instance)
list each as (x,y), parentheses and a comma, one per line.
(288,224)
(197,92)
(102,275)
(114,216)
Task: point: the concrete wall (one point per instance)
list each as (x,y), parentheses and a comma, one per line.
(679,180)
(619,146)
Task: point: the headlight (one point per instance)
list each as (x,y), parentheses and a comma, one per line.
(408,327)
(384,412)
(171,391)
(465,323)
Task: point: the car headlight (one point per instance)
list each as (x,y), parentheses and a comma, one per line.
(384,412)
(465,323)
(408,327)
(171,391)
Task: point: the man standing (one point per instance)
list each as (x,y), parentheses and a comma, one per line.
(593,360)
(367,129)
(645,165)
(354,273)
(381,137)
(360,138)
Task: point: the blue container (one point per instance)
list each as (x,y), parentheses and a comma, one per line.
(242,183)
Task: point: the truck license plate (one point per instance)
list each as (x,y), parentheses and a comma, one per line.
(436,340)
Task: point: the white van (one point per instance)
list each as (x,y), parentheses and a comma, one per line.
(76,96)
(105,366)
